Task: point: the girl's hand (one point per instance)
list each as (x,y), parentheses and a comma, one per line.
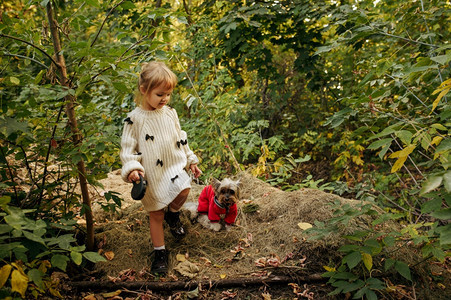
(134,175)
(196,171)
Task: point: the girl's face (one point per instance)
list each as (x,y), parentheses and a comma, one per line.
(156,98)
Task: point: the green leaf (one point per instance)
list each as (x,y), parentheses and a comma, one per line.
(389,241)
(59,261)
(370,295)
(352,259)
(445,234)
(430,206)
(33,237)
(120,86)
(443,214)
(36,276)
(345,275)
(388,264)
(94,3)
(447,181)
(405,136)
(442,59)
(431,184)
(352,286)
(77,257)
(377,144)
(4,228)
(94,257)
(403,269)
(127,5)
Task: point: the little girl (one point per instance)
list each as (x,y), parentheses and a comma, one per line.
(154,146)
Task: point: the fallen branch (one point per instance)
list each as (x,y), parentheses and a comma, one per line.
(189,285)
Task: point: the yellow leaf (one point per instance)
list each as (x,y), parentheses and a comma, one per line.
(444,85)
(367,261)
(90,297)
(180,257)
(223,276)
(329,269)
(404,152)
(111,294)
(4,274)
(45,264)
(398,164)
(19,282)
(304,226)
(439,97)
(436,140)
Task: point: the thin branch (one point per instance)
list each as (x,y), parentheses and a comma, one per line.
(407,40)
(31,44)
(103,23)
(408,90)
(26,57)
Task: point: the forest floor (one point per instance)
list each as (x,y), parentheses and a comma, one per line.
(265,256)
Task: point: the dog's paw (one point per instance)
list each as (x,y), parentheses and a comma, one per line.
(192,208)
(215,226)
(203,220)
(228,227)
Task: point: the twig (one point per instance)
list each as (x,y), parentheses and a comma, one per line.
(26,57)
(31,44)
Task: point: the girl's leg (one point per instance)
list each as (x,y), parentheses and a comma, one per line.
(160,261)
(156,227)
(178,202)
(172,216)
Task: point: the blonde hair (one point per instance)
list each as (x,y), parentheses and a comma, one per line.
(153,74)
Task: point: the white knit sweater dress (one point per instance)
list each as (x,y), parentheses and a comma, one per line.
(153,142)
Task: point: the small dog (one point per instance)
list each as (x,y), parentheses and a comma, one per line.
(217,202)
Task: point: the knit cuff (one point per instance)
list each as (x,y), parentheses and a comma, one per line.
(191,160)
(130,166)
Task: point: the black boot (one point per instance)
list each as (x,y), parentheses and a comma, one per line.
(175,225)
(160,262)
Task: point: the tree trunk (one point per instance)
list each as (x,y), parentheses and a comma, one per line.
(76,135)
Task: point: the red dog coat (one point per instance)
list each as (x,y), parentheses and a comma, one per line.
(208,205)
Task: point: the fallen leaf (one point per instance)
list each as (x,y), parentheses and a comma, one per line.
(111,294)
(228,295)
(304,226)
(206,261)
(266,296)
(180,257)
(193,294)
(109,255)
(90,297)
(222,276)
(187,268)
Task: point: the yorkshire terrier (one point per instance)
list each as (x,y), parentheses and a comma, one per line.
(217,202)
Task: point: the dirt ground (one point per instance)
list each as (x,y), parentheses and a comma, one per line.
(267,239)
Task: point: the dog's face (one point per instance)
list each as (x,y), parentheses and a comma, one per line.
(227,191)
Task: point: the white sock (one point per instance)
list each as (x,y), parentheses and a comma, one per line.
(159,248)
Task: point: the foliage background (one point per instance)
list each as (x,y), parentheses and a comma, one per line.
(346,96)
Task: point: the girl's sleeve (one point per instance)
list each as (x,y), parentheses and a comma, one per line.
(191,157)
(131,159)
